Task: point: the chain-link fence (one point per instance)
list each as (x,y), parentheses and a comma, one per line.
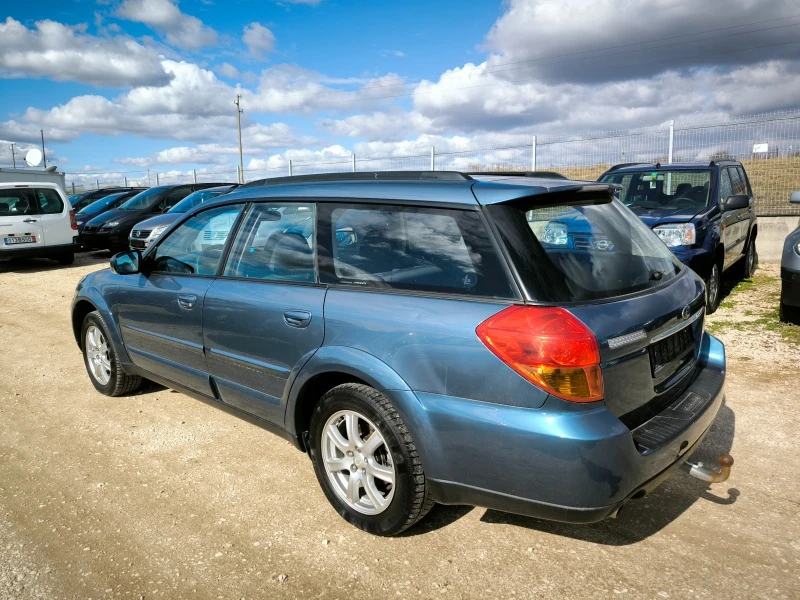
(768,145)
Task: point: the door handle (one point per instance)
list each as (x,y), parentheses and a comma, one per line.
(30,220)
(187,301)
(297,318)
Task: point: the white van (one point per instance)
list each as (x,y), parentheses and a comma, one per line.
(36,220)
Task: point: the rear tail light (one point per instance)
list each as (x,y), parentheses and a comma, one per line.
(72,220)
(549,347)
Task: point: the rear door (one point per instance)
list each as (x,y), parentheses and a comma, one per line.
(262,319)
(20,223)
(54,215)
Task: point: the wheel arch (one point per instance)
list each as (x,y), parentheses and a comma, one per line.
(91,300)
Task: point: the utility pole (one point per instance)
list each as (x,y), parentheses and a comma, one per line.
(149,183)
(13,156)
(239,111)
(44,156)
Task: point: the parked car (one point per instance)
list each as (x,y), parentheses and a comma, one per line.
(703,212)
(84,199)
(102,205)
(110,230)
(790,273)
(145,233)
(414,336)
(36,220)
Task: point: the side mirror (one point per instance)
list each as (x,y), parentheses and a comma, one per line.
(736,203)
(795,197)
(126,263)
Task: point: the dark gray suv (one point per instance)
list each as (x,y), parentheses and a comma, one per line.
(420,339)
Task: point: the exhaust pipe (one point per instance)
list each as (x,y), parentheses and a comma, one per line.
(718,475)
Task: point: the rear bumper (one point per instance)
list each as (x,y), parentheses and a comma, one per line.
(37,251)
(562,462)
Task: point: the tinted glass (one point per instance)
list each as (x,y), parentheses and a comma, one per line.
(725,185)
(104,203)
(50,202)
(583,250)
(737,182)
(146,199)
(195,198)
(655,189)
(275,244)
(743,177)
(195,247)
(421,249)
(17,202)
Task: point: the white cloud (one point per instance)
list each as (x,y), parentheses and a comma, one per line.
(258,39)
(380,125)
(56,51)
(228,70)
(164,16)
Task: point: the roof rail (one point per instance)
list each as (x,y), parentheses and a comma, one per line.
(364,176)
(542,174)
(628,164)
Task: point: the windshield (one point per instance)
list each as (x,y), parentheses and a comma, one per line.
(655,188)
(582,250)
(194,199)
(146,199)
(102,204)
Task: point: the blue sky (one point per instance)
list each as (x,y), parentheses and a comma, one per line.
(123,86)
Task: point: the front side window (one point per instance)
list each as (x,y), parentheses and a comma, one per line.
(196,246)
(275,244)
(583,249)
(725,185)
(413,248)
(654,189)
(737,182)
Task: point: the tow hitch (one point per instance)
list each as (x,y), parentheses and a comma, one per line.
(719,475)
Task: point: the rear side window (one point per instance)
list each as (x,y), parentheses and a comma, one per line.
(582,249)
(50,202)
(410,248)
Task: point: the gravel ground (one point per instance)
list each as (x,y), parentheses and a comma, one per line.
(161,496)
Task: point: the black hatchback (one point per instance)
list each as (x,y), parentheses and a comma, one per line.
(110,230)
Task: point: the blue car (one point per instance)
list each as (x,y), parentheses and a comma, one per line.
(790,273)
(704,212)
(424,337)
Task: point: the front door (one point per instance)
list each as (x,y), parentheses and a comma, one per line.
(263,318)
(160,312)
(730,218)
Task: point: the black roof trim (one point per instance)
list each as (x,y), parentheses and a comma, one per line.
(628,164)
(542,174)
(363,176)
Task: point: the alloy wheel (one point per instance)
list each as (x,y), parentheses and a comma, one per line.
(98,355)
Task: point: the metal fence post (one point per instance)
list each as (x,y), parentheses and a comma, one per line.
(290,167)
(126,180)
(533,154)
(194,172)
(671,140)
(433,158)
(97,181)
(354,162)
(157,181)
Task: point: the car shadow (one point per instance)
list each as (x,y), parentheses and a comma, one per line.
(639,519)
(42,265)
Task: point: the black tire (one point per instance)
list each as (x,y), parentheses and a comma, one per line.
(119,382)
(411,499)
(789,314)
(66,259)
(713,289)
(746,267)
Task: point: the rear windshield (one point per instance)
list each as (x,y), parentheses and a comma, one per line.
(194,199)
(146,199)
(654,188)
(100,205)
(30,201)
(582,250)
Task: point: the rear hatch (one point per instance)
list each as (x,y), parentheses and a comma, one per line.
(580,249)
(20,222)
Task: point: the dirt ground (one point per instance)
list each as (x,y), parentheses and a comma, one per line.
(159,495)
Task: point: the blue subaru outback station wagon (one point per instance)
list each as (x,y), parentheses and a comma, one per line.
(417,338)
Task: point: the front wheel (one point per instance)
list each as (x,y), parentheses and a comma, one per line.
(101,359)
(366,461)
(789,314)
(67,258)
(712,289)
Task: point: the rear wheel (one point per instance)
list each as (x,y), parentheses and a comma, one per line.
(366,461)
(789,314)
(101,359)
(66,259)
(712,289)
